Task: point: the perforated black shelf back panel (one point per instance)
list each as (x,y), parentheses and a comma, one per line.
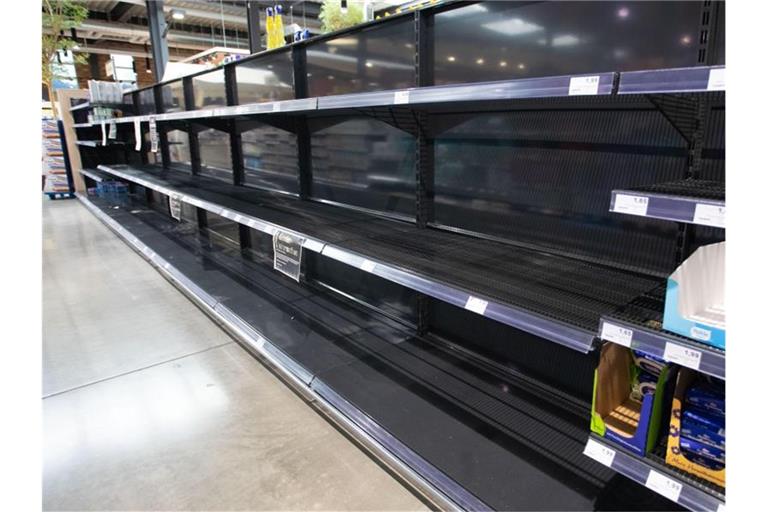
(543,176)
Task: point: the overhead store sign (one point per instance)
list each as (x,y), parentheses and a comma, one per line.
(288,251)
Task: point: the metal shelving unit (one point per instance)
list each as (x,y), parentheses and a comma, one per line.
(454,288)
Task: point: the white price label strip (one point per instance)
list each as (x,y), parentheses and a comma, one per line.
(402,97)
(599,452)
(103,134)
(688,357)
(633,205)
(583,85)
(716,80)
(720,507)
(616,334)
(664,485)
(137,133)
(368,266)
(276,107)
(476,305)
(709,215)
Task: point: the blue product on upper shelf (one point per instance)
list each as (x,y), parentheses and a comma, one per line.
(712,421)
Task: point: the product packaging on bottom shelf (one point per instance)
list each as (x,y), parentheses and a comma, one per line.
(628,399)
(694,304)
(696,441)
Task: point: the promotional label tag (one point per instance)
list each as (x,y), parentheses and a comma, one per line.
(288,251)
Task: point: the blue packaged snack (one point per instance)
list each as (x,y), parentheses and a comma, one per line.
(702,433)
(702,450)
(712,421)
(703,461)
(707,399)
(648,363)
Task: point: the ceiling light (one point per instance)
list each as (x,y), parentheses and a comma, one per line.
(178,14)
(480,61)
(686,40)
(565,40)
(369,64)
(451,58)
(512,27)
(503,63)
(521,66)
(623,12)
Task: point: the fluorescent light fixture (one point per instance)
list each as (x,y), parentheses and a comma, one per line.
(369,64)
(512,27)
(623,12)
(480,61)
(178,14)
(565,40)
(503,63)
(463,11)
(451,58)
(521,66)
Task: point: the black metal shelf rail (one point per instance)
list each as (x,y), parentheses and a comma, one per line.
(573,336)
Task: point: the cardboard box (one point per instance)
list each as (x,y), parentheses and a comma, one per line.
(629,423)
(675,456)
(695,302)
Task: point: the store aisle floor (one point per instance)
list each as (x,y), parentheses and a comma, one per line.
(148,405)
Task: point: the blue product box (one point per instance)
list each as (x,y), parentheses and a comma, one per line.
(702,433)
(701,450)
(706,399)
(711,421)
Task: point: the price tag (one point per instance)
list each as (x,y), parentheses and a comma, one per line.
(583,85)
(137,133)
(720,507)
(617,334)
(476,305)
(685,356)
(716,80)
(664,485)
(633,205)
(153,139)
(103,134)
(709,215)
(368,266)
(599,452)
(402,97)
(112,130)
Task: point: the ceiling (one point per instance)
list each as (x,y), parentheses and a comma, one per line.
(121,26)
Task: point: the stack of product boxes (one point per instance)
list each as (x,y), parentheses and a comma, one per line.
(54,168)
